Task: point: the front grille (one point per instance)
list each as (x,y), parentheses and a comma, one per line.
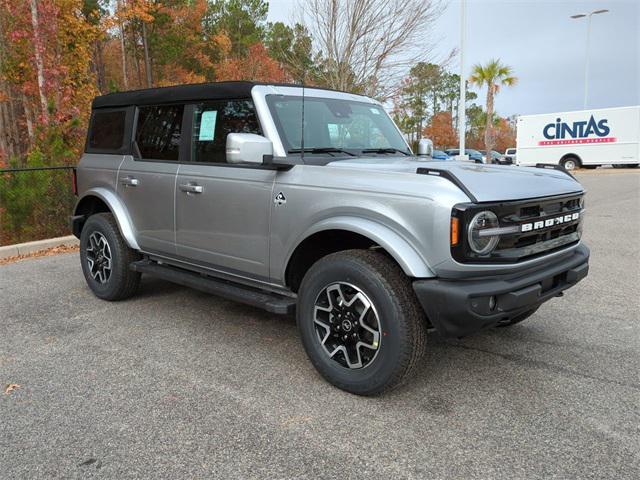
(518,245)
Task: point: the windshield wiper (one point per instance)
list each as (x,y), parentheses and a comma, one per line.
(385,150)
(322,150)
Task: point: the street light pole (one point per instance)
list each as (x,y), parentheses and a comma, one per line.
(586,65)
(462,113)
(586,61)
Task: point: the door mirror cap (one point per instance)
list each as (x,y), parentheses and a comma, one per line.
(425,148)
(248,148)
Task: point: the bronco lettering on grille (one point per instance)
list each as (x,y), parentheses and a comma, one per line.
(549,222)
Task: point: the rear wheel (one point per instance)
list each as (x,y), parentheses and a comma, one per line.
(105,259)
(360,322)
(570,163)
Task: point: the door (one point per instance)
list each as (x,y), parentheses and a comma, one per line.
(146,183)
(223,210)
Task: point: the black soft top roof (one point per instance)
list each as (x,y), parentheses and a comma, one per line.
(181,93)
(178,93)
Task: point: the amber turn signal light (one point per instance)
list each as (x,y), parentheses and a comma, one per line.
(455,223)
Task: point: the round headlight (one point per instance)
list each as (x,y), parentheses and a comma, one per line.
(479,242)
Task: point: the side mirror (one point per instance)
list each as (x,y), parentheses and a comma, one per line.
(247,148)
(425,148)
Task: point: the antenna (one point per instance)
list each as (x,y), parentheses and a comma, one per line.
(302,126)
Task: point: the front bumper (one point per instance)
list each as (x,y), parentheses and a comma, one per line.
(459,307)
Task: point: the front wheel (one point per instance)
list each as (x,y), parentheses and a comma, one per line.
(360,322)
(105,259)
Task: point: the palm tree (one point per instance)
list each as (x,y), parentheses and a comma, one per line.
(494,75)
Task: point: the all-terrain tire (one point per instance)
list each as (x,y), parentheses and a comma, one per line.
(117,282)
(402,322)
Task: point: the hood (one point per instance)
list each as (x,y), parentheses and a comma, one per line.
(487,183)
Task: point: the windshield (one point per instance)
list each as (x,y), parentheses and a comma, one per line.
(335,126)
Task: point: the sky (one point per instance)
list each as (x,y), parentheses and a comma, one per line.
(545,48)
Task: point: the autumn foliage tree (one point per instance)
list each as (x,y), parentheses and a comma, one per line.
(440,130)
(46,76)
(257,65)
(47,86)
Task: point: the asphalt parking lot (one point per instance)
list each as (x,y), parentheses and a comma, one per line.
(178,384)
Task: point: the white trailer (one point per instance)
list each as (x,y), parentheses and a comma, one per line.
(585,138)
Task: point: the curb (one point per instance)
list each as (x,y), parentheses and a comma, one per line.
(20,249)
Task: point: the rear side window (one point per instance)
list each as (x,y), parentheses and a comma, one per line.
(213,121)
(107,130)
(158,131)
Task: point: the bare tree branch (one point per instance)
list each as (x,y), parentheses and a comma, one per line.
(368,45)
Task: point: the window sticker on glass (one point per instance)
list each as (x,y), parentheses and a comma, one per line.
(375,111)
(333,131)
(208,126)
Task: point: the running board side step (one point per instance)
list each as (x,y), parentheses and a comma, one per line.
(271,302)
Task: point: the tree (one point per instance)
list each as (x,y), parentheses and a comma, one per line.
(292,48)
(427,90)
(95,13)
(366,46)
(505,134)
(243,21)
(494,75)
(179,49)
(256,66)
(440,130)
(37,53)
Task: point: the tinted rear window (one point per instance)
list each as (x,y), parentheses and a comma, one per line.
(158,132)
(107,130)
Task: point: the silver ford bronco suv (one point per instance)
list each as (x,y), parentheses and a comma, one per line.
(311,201)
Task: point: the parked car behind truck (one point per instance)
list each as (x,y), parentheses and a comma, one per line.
(474,155)
(495,158)
(220,188)
(584,138)
(510,156)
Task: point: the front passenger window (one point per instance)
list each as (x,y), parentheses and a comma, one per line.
(212,123)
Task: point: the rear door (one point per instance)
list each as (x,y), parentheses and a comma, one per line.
(223,210)
(146,181)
